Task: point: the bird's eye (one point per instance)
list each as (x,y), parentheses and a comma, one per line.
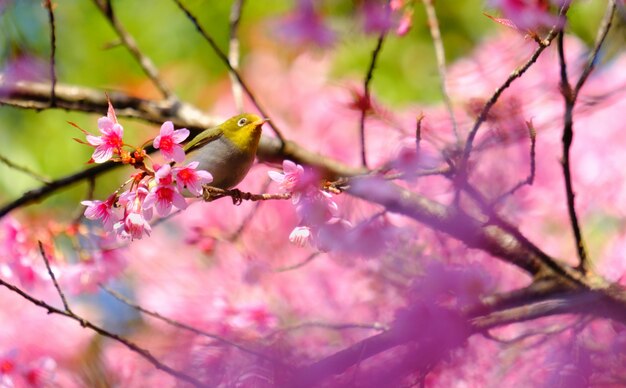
(242,121)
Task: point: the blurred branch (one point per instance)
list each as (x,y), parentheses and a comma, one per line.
(25,170)
(146,64)
(53,49)
(440,55)
(99,330)
(330,326)
(366,106)
(233,52)
(532,134)
(301,264)
(224,58)
(421,329)
(181,325)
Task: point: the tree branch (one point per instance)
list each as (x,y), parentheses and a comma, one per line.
(33,95)
(144,62)
(440,55)
(366,106)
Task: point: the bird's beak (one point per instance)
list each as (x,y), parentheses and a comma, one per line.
(260,122)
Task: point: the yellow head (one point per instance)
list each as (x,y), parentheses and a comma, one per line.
(243,130)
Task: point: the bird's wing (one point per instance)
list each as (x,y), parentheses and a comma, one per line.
(203,138)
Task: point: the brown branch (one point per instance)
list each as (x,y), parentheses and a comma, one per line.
(224,58)
(53,49)
(440,55)
(66,306)
(567,139)
(33,95)
(211,193)
(233,51)
(129,42)
(570,96)
(366,106)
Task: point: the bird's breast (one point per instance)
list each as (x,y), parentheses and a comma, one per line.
(227,163)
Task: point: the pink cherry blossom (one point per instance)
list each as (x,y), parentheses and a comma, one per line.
(165,193)
(110,142)
(189,178)
(102,210)
(168,141)
(133,226)
(290,178)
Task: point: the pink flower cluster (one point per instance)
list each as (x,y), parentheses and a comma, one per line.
(18,257)
(14,373)
(157,188)
(315,207)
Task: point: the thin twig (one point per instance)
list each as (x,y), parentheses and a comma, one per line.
(531,174)
(53,49)
(105,333)
(301,264)
(66,306)
(25,170)
(607,21)
(367,105)
(568,136)
(224,58)
(144,62)
(233,52)
(570,96)
(211,193)
(180,325)
(440,55)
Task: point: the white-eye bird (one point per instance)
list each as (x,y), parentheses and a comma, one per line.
(228,150)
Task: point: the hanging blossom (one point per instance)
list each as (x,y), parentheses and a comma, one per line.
(314,207)
(156,188)
(110,142)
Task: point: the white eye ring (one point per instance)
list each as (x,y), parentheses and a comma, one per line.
(242,121)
